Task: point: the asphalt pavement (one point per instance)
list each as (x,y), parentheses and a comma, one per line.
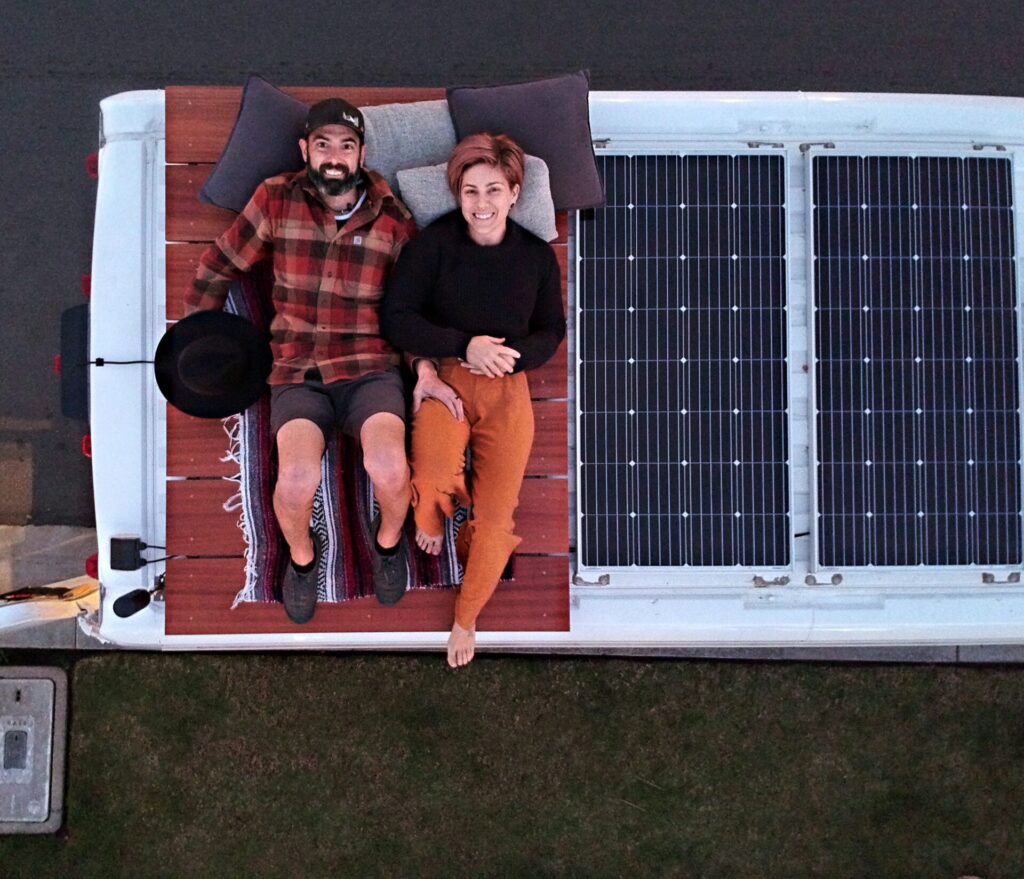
(58,59)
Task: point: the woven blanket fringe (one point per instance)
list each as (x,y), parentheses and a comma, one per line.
(235,429)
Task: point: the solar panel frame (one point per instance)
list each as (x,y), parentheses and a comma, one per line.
(693,574)
(934,572)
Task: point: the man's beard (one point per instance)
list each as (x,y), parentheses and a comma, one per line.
(332,187)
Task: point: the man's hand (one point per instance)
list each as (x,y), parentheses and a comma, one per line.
(430,387)
(486,355)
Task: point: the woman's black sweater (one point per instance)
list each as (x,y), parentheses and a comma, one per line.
(446,289)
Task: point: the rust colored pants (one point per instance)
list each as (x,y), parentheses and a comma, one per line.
(499,433)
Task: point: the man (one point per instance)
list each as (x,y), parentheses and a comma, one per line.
(333,230)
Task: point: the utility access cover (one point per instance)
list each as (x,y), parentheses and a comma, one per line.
(33,723)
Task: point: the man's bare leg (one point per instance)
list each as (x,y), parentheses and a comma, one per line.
(461,645)
(383,439)
(300,446)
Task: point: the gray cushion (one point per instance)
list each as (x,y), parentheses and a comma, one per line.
(264,142)
(407,136)
(426,192)
(549,118)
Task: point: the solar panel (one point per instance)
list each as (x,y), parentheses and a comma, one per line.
(916,371)
(683,434)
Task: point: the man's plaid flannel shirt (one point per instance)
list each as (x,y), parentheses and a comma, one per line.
(328,283)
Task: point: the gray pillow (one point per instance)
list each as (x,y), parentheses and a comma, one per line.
(264,142)
(425,191)
(407,136)
(549,118)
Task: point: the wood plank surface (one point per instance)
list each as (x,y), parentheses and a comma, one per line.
(201,589)
(199,119)
(182,259)
(200,592)
(199,527)
(181,262)
(189,219)
(195,446)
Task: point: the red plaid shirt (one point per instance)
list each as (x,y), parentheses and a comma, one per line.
(328,282)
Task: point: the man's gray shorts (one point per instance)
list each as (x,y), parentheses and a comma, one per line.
(346,404)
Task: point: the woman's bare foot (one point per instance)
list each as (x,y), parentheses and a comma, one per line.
(430,545)
(461,645)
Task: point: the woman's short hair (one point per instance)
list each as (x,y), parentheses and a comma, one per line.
(496,150)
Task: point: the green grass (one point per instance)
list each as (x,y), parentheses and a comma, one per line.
(319,765)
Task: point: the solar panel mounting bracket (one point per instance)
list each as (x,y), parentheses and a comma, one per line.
(998,147)
(773,144)
(761,583)
(990,579)
(826,144)
(834,580)
(602,580)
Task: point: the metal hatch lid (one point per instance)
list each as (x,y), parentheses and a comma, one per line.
(33,735)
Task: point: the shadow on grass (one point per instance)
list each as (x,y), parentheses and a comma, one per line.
(350,765)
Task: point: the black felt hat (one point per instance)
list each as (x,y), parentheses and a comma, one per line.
(212,364)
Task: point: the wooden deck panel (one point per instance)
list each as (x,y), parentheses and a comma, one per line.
(199,527)
(200,589)
(182,259)
(190,220)
(196,446)
(548,382)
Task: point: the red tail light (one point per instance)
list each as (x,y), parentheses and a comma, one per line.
(56,365)
(87,445)
(92,166)
(87,286)
(92,566)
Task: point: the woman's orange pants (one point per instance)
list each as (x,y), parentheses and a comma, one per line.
(498,430)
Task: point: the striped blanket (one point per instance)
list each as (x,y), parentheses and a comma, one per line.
(342,510)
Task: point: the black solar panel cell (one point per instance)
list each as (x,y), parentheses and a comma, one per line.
(682,332)
(916,362)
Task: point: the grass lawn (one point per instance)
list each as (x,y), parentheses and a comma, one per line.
(352,765)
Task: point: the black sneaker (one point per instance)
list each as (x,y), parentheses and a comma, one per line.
(390,572)
(299,590)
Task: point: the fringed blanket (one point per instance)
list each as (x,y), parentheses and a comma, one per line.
(342,510)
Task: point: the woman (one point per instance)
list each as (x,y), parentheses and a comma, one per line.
(482,297)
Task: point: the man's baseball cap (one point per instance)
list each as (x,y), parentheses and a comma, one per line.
(335,111)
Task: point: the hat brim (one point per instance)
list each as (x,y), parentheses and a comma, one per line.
(228,400)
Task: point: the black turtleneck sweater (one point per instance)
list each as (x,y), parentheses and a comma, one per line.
(446,288)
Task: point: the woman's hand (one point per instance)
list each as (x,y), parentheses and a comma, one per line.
(430,387)
(486,355)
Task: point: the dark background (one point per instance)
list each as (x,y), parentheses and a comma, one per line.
(58,59)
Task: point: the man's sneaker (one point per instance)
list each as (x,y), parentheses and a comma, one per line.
(390,572)
(299,590)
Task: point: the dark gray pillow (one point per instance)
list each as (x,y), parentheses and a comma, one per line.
(264,142)
(548,118)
